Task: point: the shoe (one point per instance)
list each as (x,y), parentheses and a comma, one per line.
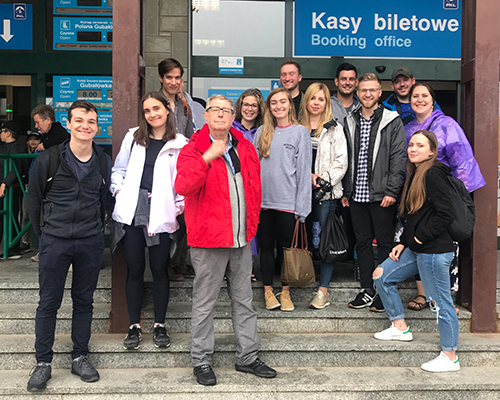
(253,278)
(286,301)
(160,336)
(133,339)
(187,271)
(258,368)
(205,375)
(82,367)
(39,377)
(24,247)
(35,258)
(417,305)
(441,364)
(362,300)
(12,255)
(174,276)
(377,305)
(271,302)
(394,333)
(320,300)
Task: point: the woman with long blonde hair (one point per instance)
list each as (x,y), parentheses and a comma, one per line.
(285,154)
(426,248)
(329,162)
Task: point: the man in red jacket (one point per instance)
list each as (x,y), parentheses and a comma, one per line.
(218,172)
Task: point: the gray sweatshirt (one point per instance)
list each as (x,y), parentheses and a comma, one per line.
(286,173)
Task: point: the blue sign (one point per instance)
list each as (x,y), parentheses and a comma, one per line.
(231,65)
(104,120)
(234,94)
(16,26)
(275,83)
(390,28)
(94,7)
(83,33)
(96,89)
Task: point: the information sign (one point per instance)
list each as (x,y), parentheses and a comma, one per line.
(83,33)
(16,26)
(79,7)
(96,89)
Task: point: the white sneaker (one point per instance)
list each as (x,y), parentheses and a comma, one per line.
(394,333)
(441,364)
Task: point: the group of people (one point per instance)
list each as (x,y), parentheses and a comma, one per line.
(237,187)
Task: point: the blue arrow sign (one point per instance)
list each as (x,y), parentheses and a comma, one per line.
(16,26)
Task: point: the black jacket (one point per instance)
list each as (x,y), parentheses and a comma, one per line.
(430,223)
(71,209)
(56,135)
(386,154)
(13,148)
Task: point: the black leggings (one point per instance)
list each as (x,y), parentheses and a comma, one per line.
(274,227)
(134,244)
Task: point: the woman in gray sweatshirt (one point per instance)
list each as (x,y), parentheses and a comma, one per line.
(285,153)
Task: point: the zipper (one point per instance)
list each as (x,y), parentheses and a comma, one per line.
(239,211)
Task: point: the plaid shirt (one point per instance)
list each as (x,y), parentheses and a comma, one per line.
(362,186)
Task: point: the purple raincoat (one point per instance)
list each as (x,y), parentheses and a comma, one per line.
(454,149)
(248,134)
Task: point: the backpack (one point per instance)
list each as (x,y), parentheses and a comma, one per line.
(463,210)
(334,243)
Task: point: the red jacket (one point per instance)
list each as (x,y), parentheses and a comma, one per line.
(206,191)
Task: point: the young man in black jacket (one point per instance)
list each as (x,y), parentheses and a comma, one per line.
(9,133)
(68,214)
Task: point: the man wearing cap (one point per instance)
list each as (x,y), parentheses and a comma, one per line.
(402,80)
(9,133)
(53,132)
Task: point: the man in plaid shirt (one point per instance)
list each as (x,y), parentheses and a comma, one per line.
(375,177)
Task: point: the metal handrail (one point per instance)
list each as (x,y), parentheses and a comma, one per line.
(9,219)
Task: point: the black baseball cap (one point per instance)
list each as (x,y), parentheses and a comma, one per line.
(405,71)
(12,126)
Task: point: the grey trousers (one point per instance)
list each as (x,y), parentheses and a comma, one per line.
(210,266)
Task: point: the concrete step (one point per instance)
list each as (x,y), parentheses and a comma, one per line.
(19,319)
(280,350)
(326,383)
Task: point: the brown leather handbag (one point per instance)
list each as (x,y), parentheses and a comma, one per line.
(297,269)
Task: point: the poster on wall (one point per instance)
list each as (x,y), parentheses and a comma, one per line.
(425,29)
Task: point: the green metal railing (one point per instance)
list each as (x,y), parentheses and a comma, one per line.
(10,221)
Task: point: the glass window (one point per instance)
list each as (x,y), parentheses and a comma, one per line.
(238,28)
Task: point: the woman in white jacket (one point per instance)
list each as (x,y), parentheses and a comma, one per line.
(329,163)
(146,210)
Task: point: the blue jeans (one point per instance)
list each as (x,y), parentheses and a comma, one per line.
(322,211)
(434,271)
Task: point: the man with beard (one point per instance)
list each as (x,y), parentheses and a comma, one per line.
(290,78)
(402,80)
(345,101)
(375,176)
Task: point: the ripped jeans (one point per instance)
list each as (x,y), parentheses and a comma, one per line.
(434,271)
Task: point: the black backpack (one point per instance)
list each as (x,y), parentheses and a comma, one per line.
(463,210)
(334,243)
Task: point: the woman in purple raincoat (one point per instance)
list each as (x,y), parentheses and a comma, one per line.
(454,150)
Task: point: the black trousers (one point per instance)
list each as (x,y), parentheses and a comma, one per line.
(275,229)
(370,221)
(134,245)
(56,255)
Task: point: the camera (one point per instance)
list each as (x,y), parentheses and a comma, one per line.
(324,187)
(380,68)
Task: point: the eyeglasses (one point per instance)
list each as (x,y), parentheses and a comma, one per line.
(370,90)
(250,105)
(217,110)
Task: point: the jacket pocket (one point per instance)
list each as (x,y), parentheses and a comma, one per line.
(47,213)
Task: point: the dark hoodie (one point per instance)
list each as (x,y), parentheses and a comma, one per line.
(430,223)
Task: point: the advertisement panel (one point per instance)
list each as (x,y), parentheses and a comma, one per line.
(428,29)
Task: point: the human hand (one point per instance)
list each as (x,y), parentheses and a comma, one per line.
(41,147)
(387,201)
(344,201)
(217,149)
(313,179)
(396,252)
(180,93)
(3,186)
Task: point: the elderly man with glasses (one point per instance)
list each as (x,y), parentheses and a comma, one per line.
(218,173)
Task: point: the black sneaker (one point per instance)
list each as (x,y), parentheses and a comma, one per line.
(39,377)
(258,368)
(133,339)
(205,375)
(160,336)
(82,367)
(362,300)
(377,305)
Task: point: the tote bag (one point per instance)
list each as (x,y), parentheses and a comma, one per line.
(298,269)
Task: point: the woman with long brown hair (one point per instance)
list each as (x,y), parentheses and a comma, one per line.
(146,210)
(284,148)
(426,248)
